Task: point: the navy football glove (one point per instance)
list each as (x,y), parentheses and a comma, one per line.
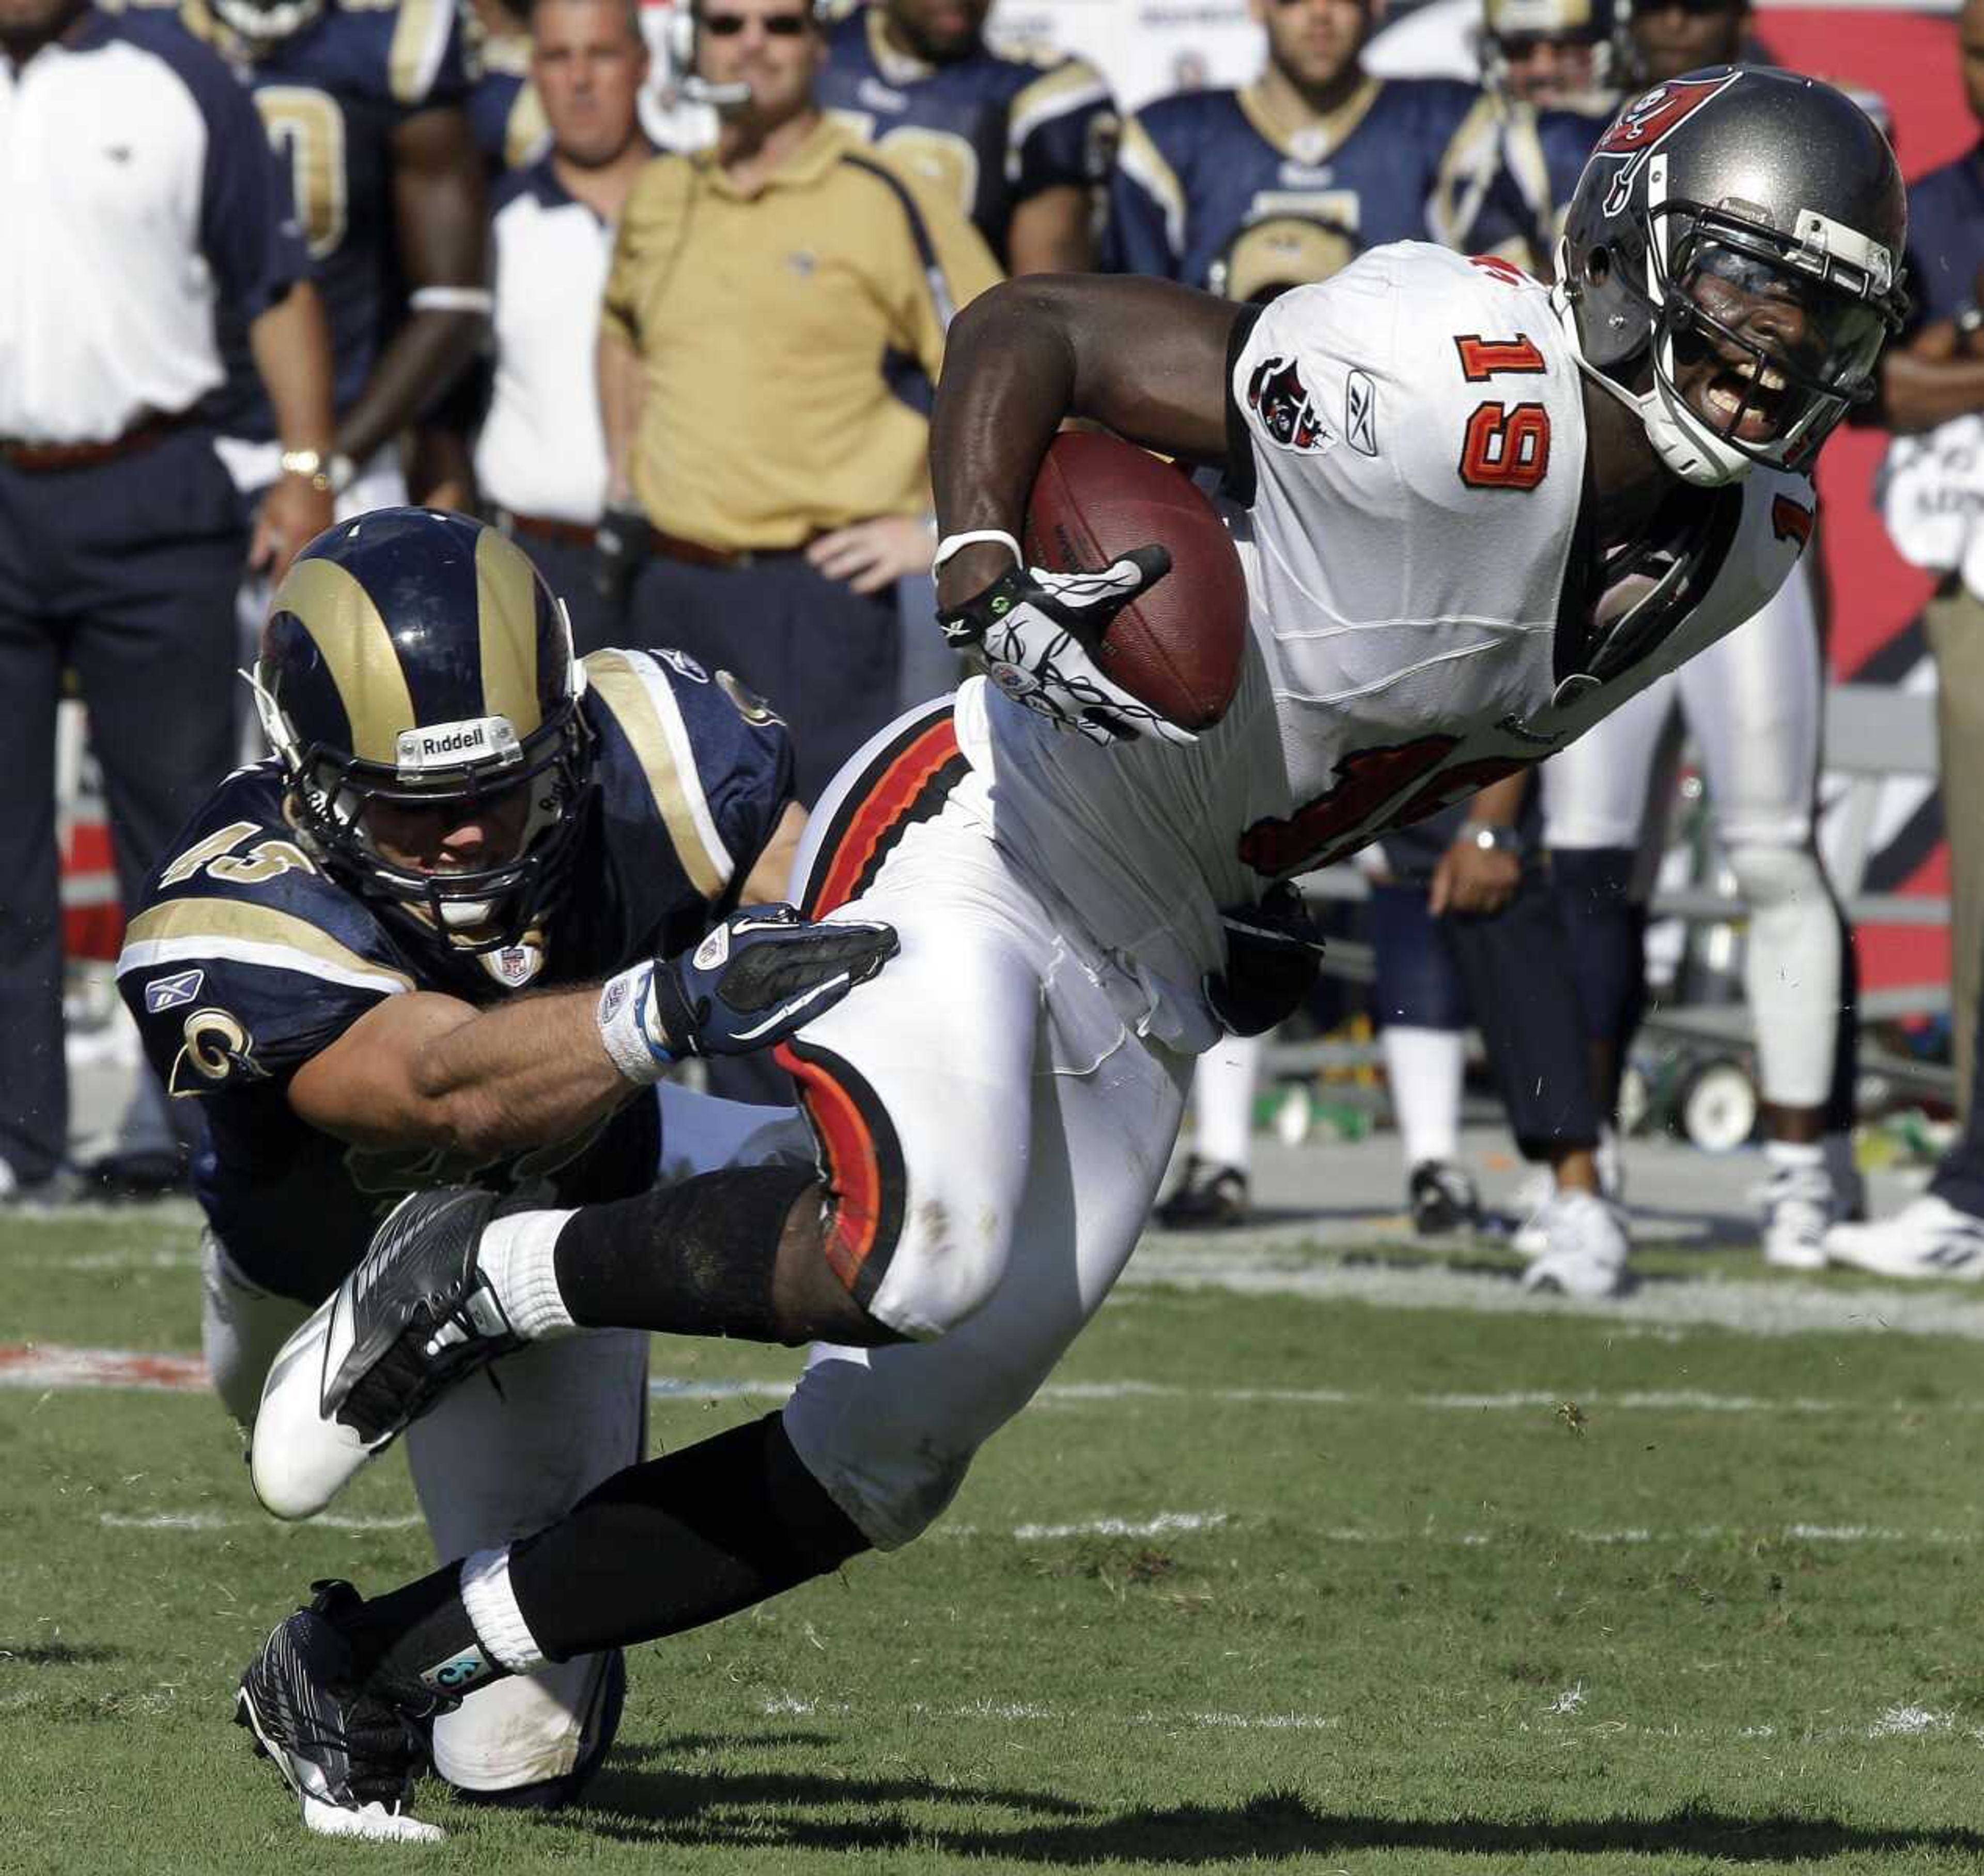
(760,975)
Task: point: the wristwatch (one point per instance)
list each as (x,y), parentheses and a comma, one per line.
(1490,837)
(329,475)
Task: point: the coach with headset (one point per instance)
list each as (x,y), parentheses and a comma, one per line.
(772,323)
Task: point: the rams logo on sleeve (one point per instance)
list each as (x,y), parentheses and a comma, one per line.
(217,1048)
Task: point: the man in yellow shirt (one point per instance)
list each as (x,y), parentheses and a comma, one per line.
(774,319)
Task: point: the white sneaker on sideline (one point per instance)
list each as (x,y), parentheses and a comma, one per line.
(1927,1237)
(1585,1248)
(1531,1198)
(1799,1207)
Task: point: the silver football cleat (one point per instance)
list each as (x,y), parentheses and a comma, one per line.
(413,1318)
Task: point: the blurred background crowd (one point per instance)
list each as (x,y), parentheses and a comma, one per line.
(660,287)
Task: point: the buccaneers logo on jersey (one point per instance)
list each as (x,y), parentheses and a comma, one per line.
(1277,393)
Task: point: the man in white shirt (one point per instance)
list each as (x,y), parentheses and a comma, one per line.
(540,460)
(141,197)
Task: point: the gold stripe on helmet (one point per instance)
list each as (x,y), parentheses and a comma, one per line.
(506,615)
(345,626)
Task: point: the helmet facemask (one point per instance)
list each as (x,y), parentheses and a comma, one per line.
(1756,353)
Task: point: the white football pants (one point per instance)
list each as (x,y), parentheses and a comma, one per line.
(992,1128)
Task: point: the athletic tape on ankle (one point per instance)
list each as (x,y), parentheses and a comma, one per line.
(623,1032)
(492,1604)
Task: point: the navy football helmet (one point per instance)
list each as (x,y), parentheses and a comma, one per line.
(414,660)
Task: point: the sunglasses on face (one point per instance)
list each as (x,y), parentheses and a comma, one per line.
(780,25)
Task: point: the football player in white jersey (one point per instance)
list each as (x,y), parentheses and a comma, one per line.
(1436,468)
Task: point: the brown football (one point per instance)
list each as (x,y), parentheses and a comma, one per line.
(1178,647)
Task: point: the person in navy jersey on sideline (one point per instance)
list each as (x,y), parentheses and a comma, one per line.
(142,200)
(1022,139)
(366,106)
(541,458)
(1292,176)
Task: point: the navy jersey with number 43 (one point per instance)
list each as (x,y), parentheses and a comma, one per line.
(246,961)
(994,129)
(333,94)
(1212,190)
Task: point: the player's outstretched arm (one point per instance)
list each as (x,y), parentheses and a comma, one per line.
(441,218)
(1146,358)
(427,1070)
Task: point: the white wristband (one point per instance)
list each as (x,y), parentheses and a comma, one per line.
(956,543)
(452,299)
(623,1031)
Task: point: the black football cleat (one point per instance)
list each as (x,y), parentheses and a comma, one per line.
(412,1319)
(1207,1198)
(1442,1198)
(349,1749)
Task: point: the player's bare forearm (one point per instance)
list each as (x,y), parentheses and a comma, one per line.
(423,359)
(440,216)
(1929,384)
(428,1070)
(1145,358)
(1052,233)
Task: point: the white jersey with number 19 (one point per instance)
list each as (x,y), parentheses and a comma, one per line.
(1406,491)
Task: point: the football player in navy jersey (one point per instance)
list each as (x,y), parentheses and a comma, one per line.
(331,958)
(1024,139)
(365,100)
(1289,178)
(504,109)
(1556,64)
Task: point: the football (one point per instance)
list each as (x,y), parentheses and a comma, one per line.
(1178,647)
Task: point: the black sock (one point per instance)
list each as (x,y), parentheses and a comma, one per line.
(421,1631)
(694,1258)
(678,1541)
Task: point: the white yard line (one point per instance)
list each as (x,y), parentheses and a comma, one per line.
(55,1367)
(1748,1306)
(1570,1708)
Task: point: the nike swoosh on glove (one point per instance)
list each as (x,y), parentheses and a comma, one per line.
(758,977)
(1037,631)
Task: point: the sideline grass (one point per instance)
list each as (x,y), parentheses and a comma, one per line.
(1476,1593)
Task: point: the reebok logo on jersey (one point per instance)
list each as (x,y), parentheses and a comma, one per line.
(168,992)
(1277,395)
(681,661)
(1360,414)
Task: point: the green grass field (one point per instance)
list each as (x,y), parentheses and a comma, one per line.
(1290,1579)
